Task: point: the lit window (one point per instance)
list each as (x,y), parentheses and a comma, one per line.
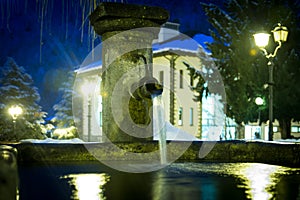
(180,116)
(191,116)
(100,119)
(295,129)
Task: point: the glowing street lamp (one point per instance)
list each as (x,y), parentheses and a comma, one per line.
(15,111)
(280,34)
(259,102)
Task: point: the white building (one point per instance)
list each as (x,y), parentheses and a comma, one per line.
(170,51)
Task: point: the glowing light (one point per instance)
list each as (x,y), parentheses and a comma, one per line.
(261,39)
(252,52)
(259,179)
(259,101)
(88,186)
(15,111)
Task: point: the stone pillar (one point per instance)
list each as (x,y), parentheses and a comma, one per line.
(124,42)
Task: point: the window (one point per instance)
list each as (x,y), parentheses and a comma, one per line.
(100,119)
(295,129)
(161,77)
(181,78)
(191,116)
(180,116)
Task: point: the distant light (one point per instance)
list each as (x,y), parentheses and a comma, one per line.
(15,111)
(261,39)
(259,101)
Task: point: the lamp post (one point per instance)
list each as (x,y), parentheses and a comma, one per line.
(259,102)
(280,34)
(87,89)
(15,111)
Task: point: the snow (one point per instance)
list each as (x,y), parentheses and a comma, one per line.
(178,44)
(175,50)
(90,67)
(288,140)
(53,141)
(173,134)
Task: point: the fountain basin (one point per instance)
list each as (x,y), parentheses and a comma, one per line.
(91,180)
(284,154)
(230,170)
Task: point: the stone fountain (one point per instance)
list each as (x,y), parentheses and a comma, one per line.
(112,21)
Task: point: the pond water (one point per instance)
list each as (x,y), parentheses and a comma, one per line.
(180,181)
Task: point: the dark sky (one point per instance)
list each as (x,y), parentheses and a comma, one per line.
(48,38)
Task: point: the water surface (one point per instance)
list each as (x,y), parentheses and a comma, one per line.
(178,181)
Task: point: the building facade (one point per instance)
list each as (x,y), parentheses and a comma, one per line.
(170,51)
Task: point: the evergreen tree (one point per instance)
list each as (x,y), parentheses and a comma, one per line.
(244,67)
(63,109)
(16,88)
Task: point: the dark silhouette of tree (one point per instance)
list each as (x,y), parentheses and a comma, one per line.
(63,109)
(244,67)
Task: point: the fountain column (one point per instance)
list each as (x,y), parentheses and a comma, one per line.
(122,54)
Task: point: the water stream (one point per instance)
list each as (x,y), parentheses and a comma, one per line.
(159,126)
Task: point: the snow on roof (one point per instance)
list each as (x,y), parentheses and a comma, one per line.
(179,42)
(181,45)
(175,50)
(97,65)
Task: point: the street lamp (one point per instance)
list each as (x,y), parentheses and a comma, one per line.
(280,34)
(259,102)
(87,89)
(15,111)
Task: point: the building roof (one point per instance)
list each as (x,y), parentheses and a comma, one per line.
(179,44)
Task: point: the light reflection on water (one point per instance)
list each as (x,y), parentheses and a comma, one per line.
(178,181)
(260,180)
(87,186)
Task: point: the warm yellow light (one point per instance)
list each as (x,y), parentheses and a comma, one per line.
(280,33)
(88,186)
(15,111)
(261,39)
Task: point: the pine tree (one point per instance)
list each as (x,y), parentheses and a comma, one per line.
(63,109)
(244,67)
(16,88)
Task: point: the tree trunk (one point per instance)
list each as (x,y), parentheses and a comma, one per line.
(240,132)
(285,128)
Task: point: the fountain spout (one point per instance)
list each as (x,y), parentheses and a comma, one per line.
(148,86)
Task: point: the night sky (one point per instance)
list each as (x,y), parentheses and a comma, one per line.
(48,38)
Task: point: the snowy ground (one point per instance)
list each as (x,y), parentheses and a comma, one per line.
(50,140)
(169,137)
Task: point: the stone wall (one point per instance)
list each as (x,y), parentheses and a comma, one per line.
(285,154)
